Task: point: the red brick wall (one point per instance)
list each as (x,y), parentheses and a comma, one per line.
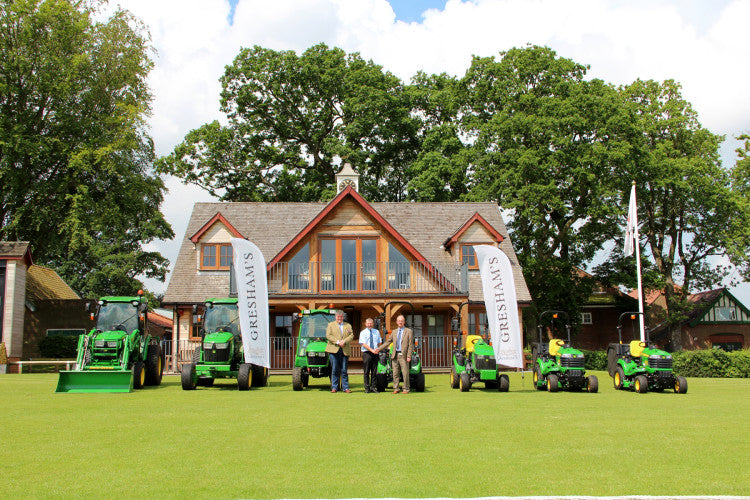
(701,334)
(52,314)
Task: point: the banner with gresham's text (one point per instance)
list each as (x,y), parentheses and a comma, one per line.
(252,301)
(499,290)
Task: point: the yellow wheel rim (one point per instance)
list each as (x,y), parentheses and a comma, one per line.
(617,378)
(159,365)
(638,385)
(143,376)
(536,377)
(249,379)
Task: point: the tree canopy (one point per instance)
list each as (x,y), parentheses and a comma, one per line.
(75,155)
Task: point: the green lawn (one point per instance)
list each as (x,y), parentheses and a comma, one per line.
(273,442)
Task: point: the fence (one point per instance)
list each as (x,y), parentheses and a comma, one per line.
(434,350)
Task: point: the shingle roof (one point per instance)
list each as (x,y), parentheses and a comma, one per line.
(272,225)
(43,283)
(15,250)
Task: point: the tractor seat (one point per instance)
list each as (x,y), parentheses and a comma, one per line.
(470,339)
(554,346)
(636,348)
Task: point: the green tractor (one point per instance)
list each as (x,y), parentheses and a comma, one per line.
(557,365)
(475,362)
(118,354)
(641,366)
(311,358)
(221,353)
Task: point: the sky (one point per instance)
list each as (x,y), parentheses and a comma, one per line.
(704,45)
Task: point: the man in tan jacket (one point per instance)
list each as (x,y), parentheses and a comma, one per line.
(403,345)
(339,335)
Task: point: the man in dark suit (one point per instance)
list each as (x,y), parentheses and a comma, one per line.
(403,344)
(339,335)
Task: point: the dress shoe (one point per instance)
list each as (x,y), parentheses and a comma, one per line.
(347,391)
(405,392)
(334,390)
(395,391)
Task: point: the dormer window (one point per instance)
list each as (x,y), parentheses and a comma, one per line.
(216,256)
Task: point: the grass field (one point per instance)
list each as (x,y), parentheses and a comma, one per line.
(272,442)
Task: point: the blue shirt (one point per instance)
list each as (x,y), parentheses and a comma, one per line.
(364,338)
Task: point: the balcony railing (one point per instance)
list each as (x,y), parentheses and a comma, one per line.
(367,278)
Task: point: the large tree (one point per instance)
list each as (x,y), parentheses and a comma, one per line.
(546,149)
(75,155)
(692,210)
(290,117)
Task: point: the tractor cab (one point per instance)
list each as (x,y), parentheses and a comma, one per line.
(310,357)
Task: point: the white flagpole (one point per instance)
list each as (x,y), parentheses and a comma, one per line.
(637,246)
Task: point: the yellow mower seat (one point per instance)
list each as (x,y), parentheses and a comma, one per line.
(470,340)
(636,348)
(554,346)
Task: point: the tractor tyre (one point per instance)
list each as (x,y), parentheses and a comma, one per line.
(455,379)
(187,376)
(305,379)
(537,377)
(680,384)
(381,382)
(259,376)
(465,382)
(154,365)
(297,383)
(245,377)
(139,375)
(419,382)
(552,383)
(641,384)
(618,378)
(592,383)
(503,383)
(205,382)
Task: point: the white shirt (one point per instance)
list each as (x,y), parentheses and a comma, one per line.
(364,338)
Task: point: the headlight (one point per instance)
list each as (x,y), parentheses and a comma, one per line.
(302,352)
(567,355)
(99,343)
(207,345)
(654,356)
(112,343)
(223,345)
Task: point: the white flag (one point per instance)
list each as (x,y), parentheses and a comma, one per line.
(502,308)
(632,224)
(252,301)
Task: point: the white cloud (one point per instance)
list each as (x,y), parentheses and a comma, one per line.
(703,45)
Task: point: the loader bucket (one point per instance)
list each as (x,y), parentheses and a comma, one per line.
(95,381)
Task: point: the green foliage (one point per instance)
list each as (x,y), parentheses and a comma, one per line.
(59,346)
(289,117)
(595,360)
(75,157)
(712,363)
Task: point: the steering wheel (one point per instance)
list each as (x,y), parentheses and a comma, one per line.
(119,326)
(474,341)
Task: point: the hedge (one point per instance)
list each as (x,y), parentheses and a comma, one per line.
(59,346)
(702,363)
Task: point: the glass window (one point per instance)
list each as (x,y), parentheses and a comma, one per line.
(726,314)
(478,323)
(399,270)
(282,331)
(209,256)
(225,255)
(586,318)
(327,265)
(349,264)
(299,269)
(468,256)
(369,264)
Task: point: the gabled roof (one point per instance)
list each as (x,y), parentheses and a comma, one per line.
(474,218)
(216,218)
(348,192)
(704,301)
(43,283)
(16,250)
(273,225)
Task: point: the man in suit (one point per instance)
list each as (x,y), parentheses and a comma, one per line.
(339,336)
(403,341)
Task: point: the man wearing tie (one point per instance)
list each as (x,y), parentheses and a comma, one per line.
(339,336)
(369,338)
(403,340)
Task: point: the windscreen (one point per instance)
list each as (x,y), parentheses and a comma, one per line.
(117,316)
(222,318)
(314,325)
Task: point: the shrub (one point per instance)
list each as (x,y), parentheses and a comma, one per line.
(712,363)
(596,360)
(59,346)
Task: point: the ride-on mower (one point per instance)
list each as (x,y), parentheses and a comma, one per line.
(475,362)
(640,365)
(556,364)
(384,375)
(221,353)
(118,354)
(311,358)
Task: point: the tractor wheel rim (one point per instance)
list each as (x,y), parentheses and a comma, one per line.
(617,378)
(143,376)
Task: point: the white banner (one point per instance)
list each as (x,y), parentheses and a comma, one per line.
(632,226)
(252,301)
(499,290)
